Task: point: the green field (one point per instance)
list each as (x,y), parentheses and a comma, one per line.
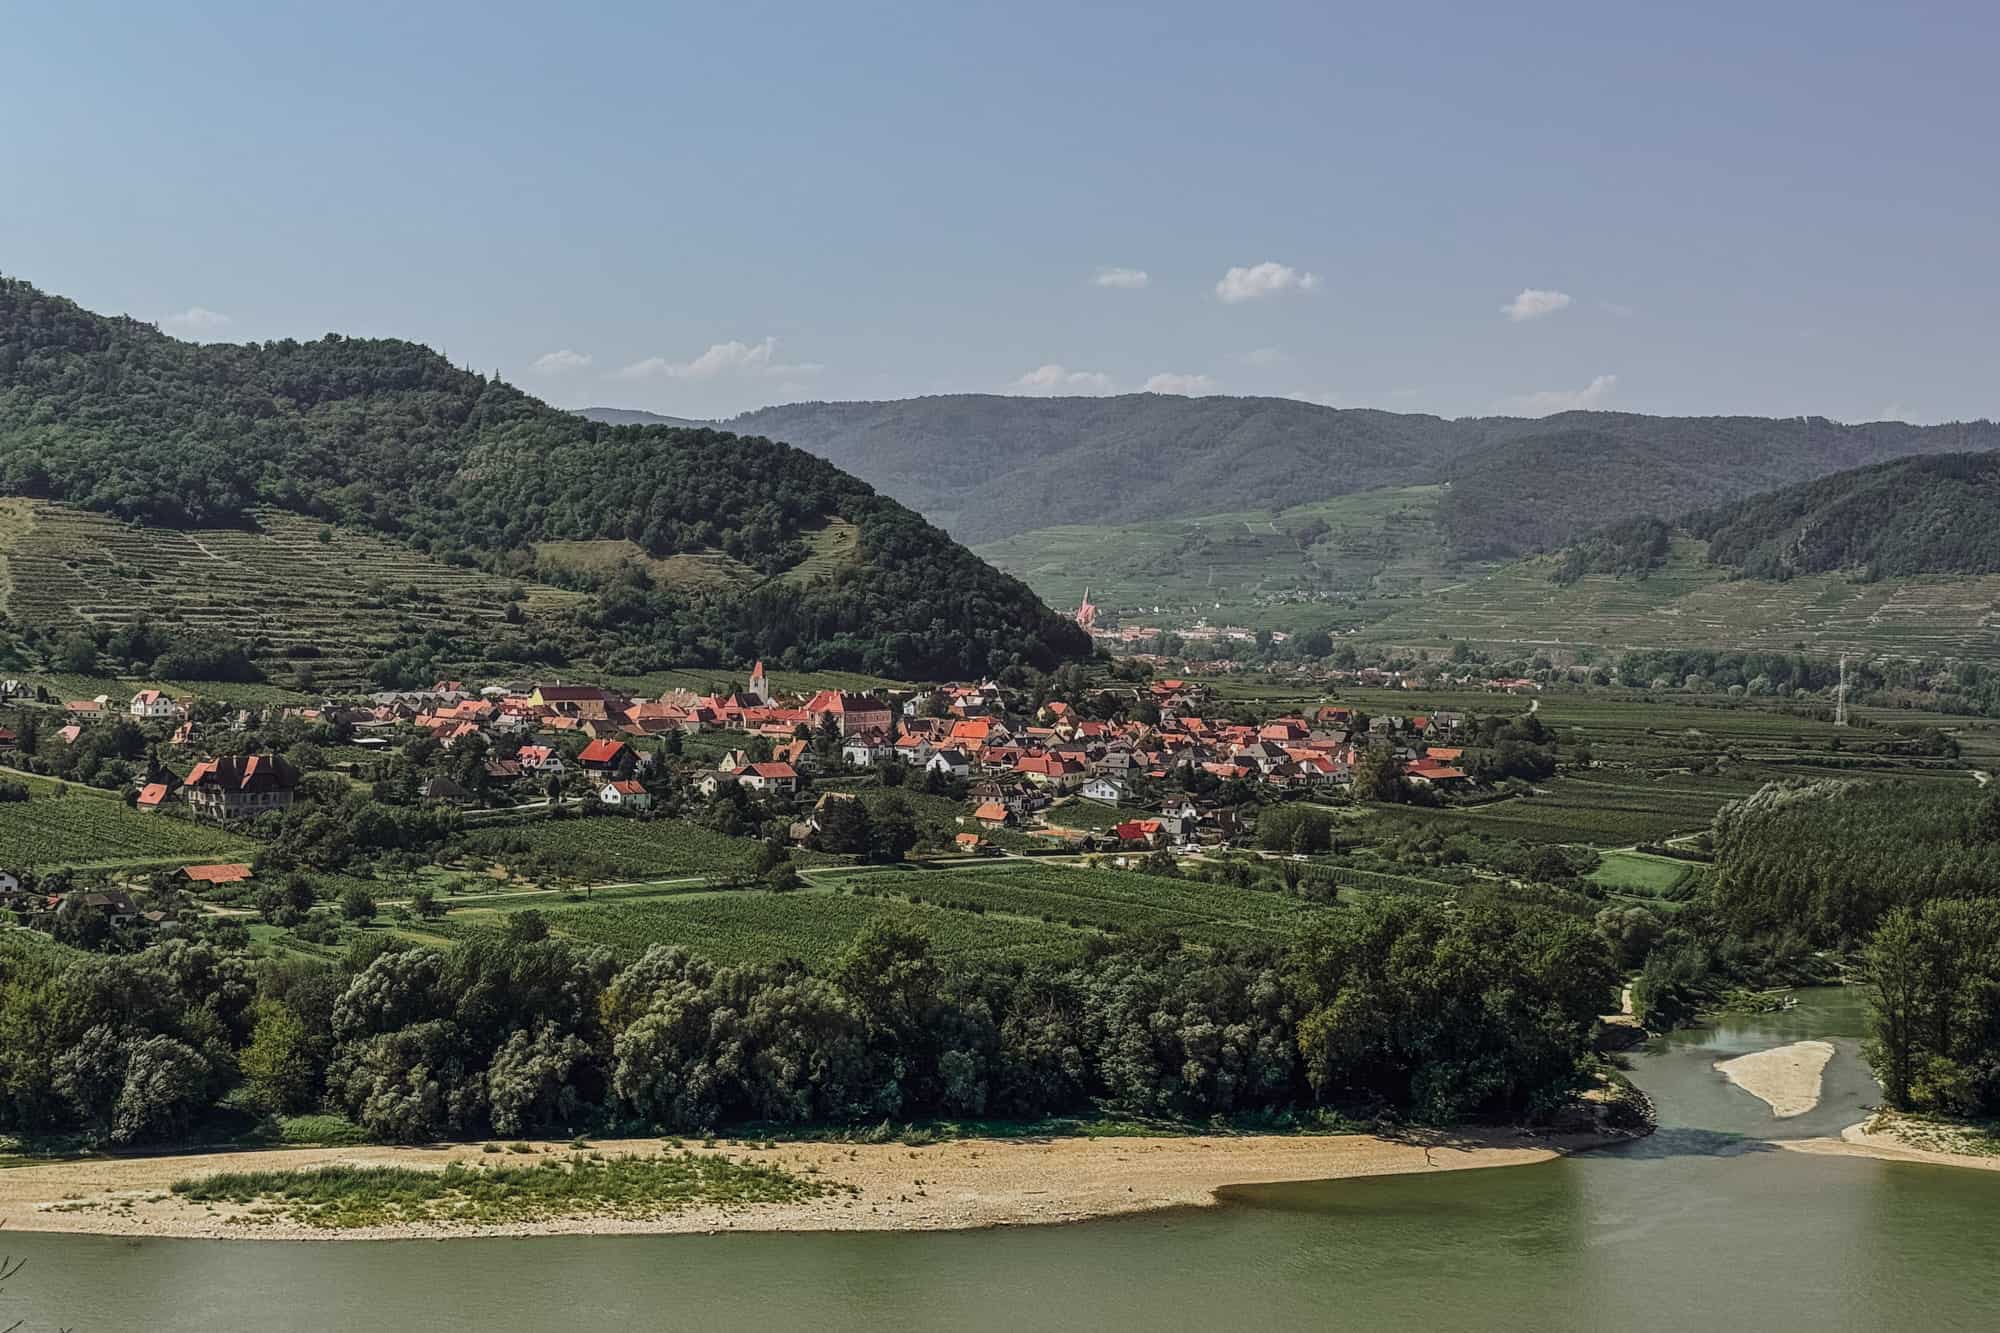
(1643,875)
(1606,808)
(1016,909)
(629,848)
(80,830)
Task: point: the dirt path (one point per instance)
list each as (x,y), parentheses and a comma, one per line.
(883,1187)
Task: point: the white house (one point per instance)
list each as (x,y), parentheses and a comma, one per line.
(955,763)
(154,705)
(769,777)
(1108,790)
(626,795)
(862,751)
(541,760)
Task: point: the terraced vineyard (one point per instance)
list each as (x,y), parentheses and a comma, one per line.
(290,582)
(1687,603)
(48,833)
(1374,544)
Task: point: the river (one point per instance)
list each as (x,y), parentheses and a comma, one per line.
(1702,1226)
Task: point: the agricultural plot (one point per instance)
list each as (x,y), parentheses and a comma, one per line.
(48,833)
(1687,603)
(289,582)
(628,848)
(1611,809)
(754,927)
(1643,875)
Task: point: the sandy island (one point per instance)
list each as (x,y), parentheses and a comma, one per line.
(1785,1078)
(958,1184)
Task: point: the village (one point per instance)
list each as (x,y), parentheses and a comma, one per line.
(1127,768)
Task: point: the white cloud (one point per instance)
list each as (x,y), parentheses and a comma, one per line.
(560,363)
(1264,356)
(1191,385)
(740,359)
(1549,401)
(1265,279)
(1613,307)
(1055,379)
(197,319)
(1129,279)
(1533,303)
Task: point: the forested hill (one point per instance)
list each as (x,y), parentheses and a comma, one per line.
(1935,515)
(989,466)
(112,415)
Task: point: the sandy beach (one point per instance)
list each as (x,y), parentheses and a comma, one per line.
(1884,1145)
(1785,1078)
(883,1187)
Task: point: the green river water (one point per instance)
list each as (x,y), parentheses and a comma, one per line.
(1702,1226)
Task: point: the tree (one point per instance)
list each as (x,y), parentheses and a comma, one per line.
(1378,776)
(277,1068)
(894,829)
(357,905)
(424,902)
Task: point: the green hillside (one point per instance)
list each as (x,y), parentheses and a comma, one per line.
(385,437)
(1317,563)
(1936,515)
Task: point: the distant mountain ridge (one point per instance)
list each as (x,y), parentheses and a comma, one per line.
(989,466)
(632,416)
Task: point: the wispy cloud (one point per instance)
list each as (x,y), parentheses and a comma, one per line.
(1534,303)
(1264,356)
(1191,385)
(1614,308)
(1549,401)
(1265,279)
(731,359)
(197,319)
(1128,279)
(559,363)
(1055,379)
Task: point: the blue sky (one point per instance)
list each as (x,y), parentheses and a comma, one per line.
(1773,208)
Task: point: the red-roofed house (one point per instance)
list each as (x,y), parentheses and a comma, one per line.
(625,795)
(850,712)
(603,756)
(238,785)
(769,777)
(153,796)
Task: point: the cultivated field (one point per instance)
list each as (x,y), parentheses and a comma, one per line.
(626,848)
(48,833)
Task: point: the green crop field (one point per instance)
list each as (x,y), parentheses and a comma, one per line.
(47,833)
(1643,875)
(630,848)
(1607,808)
(1015,910)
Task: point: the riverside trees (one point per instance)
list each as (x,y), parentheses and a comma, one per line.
(1488,1015)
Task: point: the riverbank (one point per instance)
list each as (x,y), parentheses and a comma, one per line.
(967,1183)
(1882,1139)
